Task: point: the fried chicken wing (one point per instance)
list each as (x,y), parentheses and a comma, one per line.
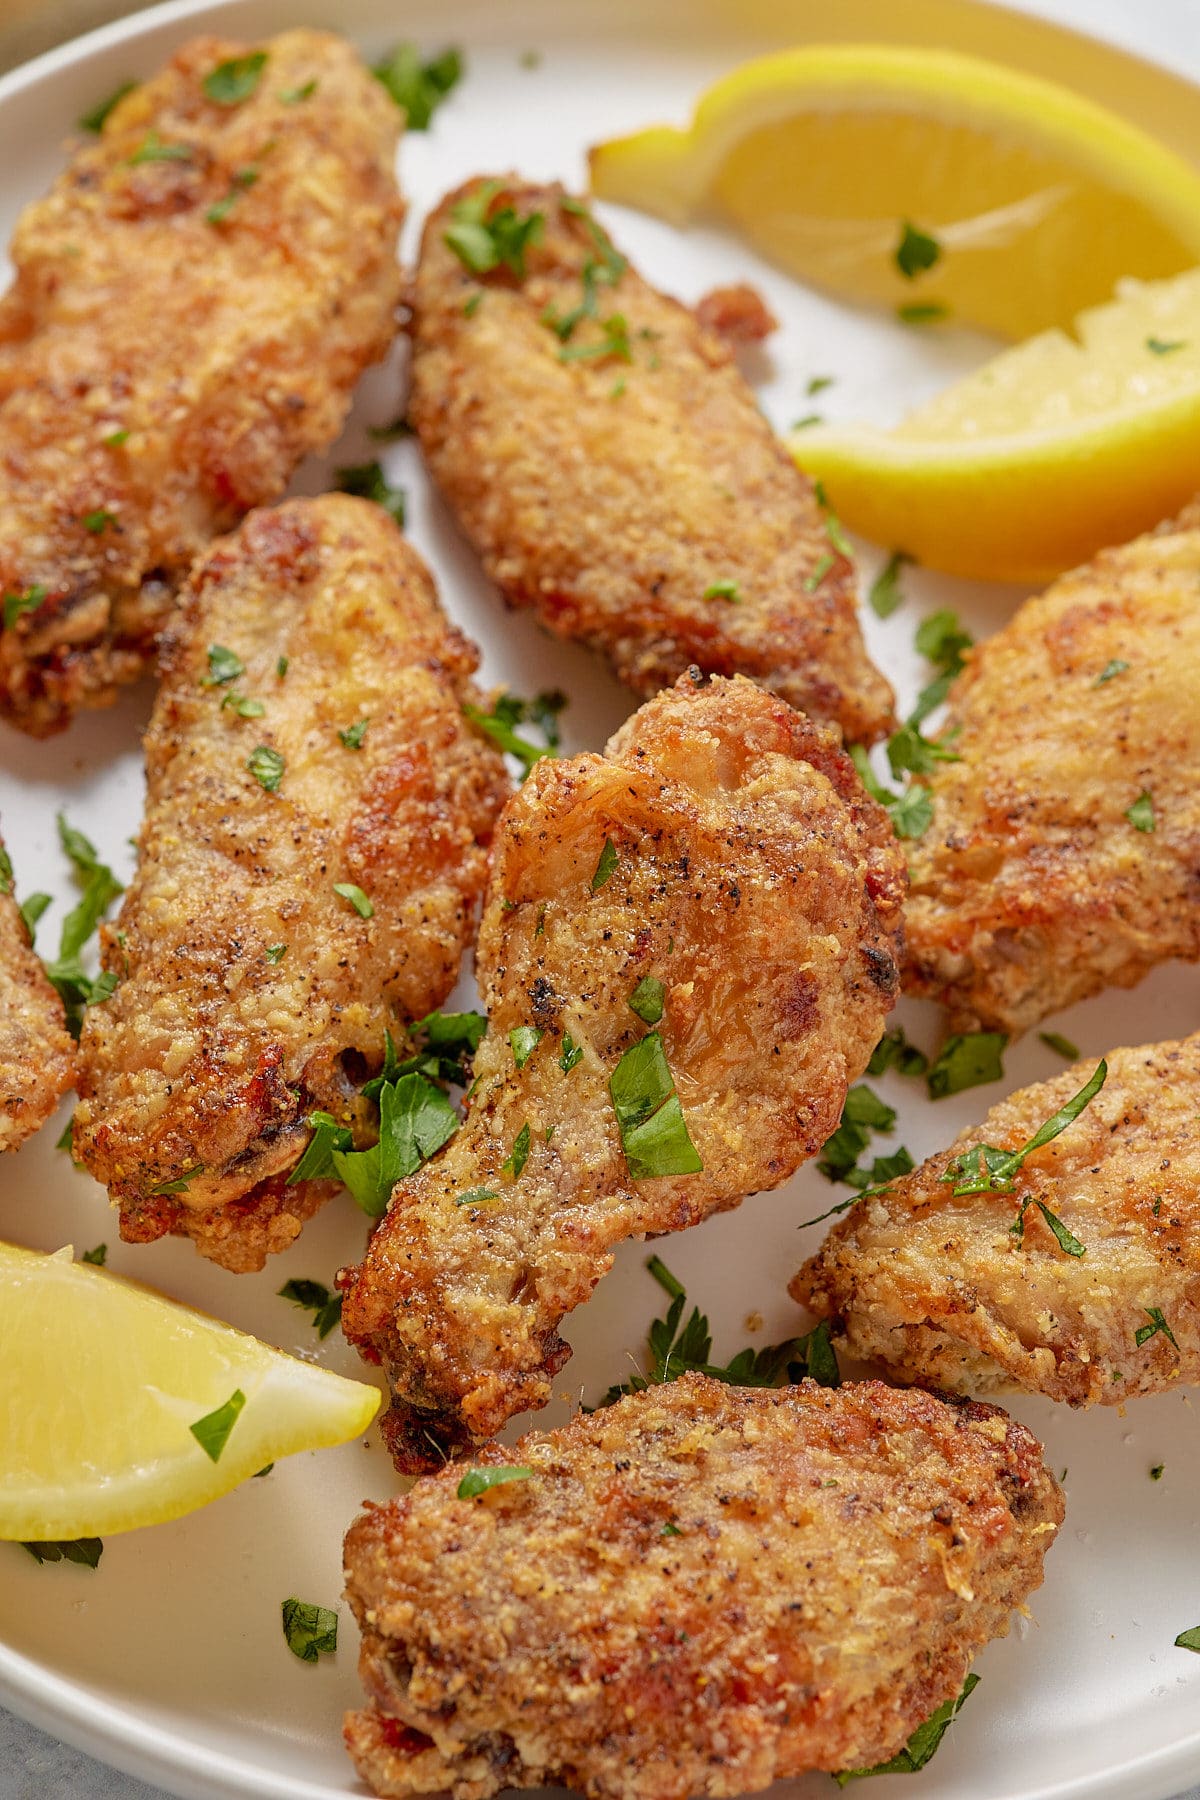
(609,463)
(251,991)
(194,301)
(37,1055)
(698,1591)
(941,1289)
(688,950)
(1065,843)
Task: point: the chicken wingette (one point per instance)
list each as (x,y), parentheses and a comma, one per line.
(689,948)
(37,1055)
(699,1591)
(1077,1278)
(313,848)
(193,303)
(1062,856)
(608,461)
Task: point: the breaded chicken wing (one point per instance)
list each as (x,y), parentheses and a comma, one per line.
(1062,857)
(688,950)
(609,463)
(37,1055)
(942,1290)
(251,990)
(194,301)
(699,1591)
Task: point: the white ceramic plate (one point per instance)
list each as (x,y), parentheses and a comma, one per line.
(169,1661)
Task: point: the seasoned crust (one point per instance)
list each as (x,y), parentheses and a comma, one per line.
(37,1054)
(935,1287)
(225,352)
(837,1559)
(610,495)
(757,882)
(210,1055)
(1032,888)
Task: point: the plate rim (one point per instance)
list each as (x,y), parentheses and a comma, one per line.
(74,1714)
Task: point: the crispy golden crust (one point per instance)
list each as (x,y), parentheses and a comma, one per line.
(840,1558)
(937,1289)
(609,495)
(1032,888)
(37,1054)
(760,886)
(209,1053)
(225,351)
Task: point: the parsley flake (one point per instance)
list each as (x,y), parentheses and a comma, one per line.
(31,911)
(893,1051)
(94,120)
(153,150)
(722,590)
(570,1054)
(654,1133)
(518,1156)
(485,236)
(966,1060)
(475,1196)
(605,867)
(917,250)
(985,1169)
(99,520)
(647,999)
(1156,1472)
(419,87)
(1062,1046)
(347,890)
(267,766)
(276,953)
(352,737)
(1116,667)
(922,312)
(97,1257)
(223,666)
(310,1630)
(241,179)
(1158,1323)
(17,605)
(314,1297)
(886,593)
(817,573)
(508,712)
(234,81)
(1165,346)
(86,1552)
(1141,813)
(328,1135)
(1189,1640)
(212,1431)
(923,1743)
(291,96)
(368,482)
(524,1040)
(479,1481)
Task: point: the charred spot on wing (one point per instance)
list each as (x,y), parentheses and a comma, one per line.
(883,970)
(543,1003)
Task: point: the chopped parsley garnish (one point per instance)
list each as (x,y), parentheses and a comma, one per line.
(476,1196)
(317,1162)
(863,1113)
(178,1184)
(1189,1640)
(942,639)
(893,1051)
(31,911)
(478,1481)
(1158,1323)
(570,1054)
(290,96)
(911,812)
(450,1040)
(1164,346)
(368,482)
(654,1133)
(6,871)
(386,434)
(223,666)
(97,1257)
(281,667)
(115,439)
(818,572)
(1141,813)
(348,891)
(647,999)
(808,419)
(722,590)
(922,312)
(670,1530)
(16,605)
(886,593)
(1117,666)
(242,705)
(923,1743)
(153,150)
(613,341)
(484,236)
(267,766)
(315,1297)
(84,1551)
(94,121)
(677,1346)
(1156,1472)
(234,81)
(966,1060)
(509,711)
(353,735)
(241,179)
(419,87)
(605,867)
(415,1119)
(310,1630)
(816,384)
(985,1169)
(524,1040)
(518,1156)
(917,250)
(1063,1046)
(276,953)
(472,303)
(76,987)
(212,1431)
(99,520)
(909,752)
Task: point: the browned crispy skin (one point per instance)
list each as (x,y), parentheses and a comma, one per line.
(609,495)
(37,1055)
(210,1055)
(835,1561)
(937,1289)
(161,373)
(759,885)
(1032,888)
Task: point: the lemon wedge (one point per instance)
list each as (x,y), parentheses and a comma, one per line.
(1053,449)
(1011,202)
(101,1383)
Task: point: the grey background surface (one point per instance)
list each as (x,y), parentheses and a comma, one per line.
(34,1766)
